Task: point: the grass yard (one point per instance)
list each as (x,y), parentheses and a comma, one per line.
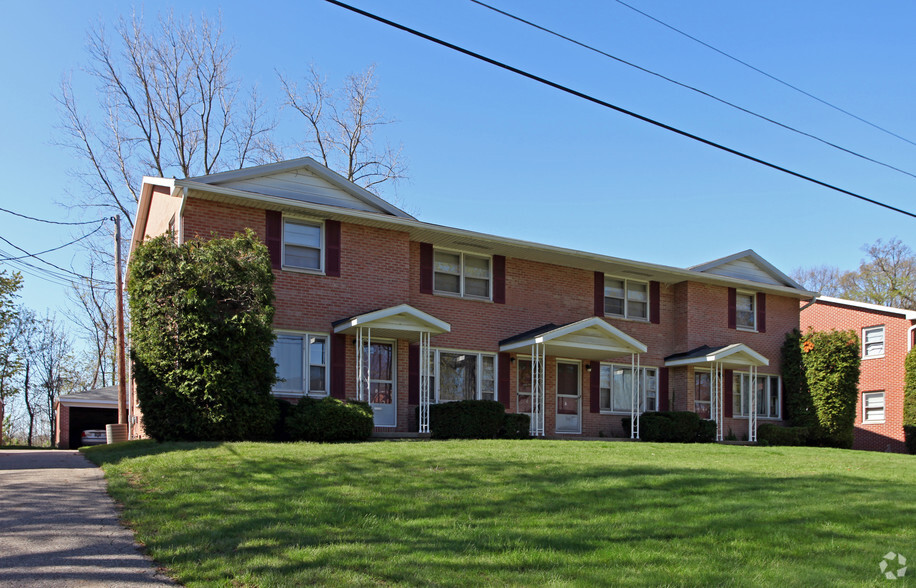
(524,513)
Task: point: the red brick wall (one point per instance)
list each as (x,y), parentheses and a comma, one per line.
(62,440)
(877,374)
(380,268)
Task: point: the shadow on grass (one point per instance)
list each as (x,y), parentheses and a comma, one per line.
(373,513)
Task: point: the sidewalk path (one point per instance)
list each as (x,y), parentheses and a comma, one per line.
(59,527)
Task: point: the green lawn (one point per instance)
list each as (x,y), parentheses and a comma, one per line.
(526,513)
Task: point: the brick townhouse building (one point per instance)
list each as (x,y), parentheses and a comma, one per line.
(577,340)
(887,335)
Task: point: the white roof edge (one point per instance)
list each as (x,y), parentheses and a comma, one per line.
(769,267)
(719,355)
(368,317)
(86,403)
(547,336)
(686,274)
(908,314)
(313,166)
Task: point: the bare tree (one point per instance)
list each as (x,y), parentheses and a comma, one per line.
(96,324)
(56,368)
(341,127)
(171,105)
(887,276)
(825,279)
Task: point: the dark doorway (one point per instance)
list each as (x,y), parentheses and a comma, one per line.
(89,418)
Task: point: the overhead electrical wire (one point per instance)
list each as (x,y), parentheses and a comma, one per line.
(77,240)
(692,88)
(619,109)
(769,75)
(51,222)
(57,267)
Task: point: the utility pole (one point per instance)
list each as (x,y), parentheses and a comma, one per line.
(119,297)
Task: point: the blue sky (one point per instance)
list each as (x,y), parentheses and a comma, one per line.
(496,153)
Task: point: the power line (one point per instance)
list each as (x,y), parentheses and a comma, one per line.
(77,240)
(51,222)
(612,106)
(692,88)
(57,267)
(760,71)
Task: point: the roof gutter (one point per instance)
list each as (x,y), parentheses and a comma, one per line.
(810,302)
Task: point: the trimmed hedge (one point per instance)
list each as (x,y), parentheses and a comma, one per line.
(673,427)
(515,426)
(909,401)
(329,420)
(466,419)
(831,361)
(776,435)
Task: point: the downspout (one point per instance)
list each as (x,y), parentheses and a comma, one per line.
(184,199)
(810,302)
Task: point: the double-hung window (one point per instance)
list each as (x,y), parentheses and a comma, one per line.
(463,274)
(873,407)
(702,394)
(626,298)
(616,389)
(768,396)
(302,364)
(746,310)
(303,245)
(461,375)
(872,342)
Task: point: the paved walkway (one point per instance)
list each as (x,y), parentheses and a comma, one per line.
(59,527)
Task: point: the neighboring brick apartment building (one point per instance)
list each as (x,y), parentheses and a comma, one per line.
(552,332)
(886,336)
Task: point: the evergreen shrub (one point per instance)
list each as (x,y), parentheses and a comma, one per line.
(466,419)
(831,360)
(776,435)
(329,420)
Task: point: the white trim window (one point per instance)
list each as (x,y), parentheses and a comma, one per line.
(616,388)
(523,386)
(303,244)
(626,298)
(462,375)
(873,342)
(769,395)
(462,274)
(302,364)
(746,310)
(702,393)
(872,407)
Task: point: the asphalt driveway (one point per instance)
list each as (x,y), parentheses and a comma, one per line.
(58,526)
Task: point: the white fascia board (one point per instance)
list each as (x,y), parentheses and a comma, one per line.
(88,403)
(406,224)
(431,323)
(722,355)
(630,345)
(908,314)
(143,206)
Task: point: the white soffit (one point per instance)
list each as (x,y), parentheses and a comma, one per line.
(737,354)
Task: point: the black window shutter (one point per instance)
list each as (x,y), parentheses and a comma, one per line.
(499,279)
(732,308)
(761,312)
(599,294)
(655,303)
(332,248)
(339,366)
(728,400)
(594,388)
(663,404)
(413,375)
(502,386)
(426,268)
(274,234)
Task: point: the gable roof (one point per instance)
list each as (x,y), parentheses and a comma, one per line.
(907,314)
(97,398)
(591,338)
(397,322)
(747,265)
(302,179)
(736,354)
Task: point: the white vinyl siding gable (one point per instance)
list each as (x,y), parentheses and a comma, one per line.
(872,342)
(462,274)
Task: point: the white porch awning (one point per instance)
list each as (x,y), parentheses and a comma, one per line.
(730,356)
(397,322)
(590,339)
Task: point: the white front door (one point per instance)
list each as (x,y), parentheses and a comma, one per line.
(382,384)
(569,397)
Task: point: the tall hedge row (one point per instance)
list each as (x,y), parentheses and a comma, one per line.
(831,360)
(201,315)
(909,402)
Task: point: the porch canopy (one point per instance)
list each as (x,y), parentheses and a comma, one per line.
(397,322)
(718,359)
(590,339)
